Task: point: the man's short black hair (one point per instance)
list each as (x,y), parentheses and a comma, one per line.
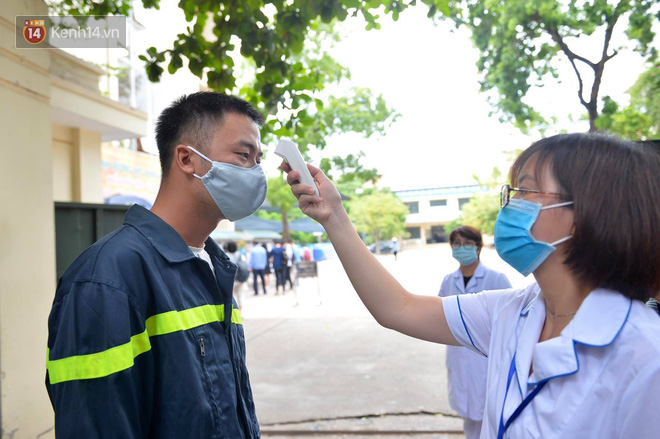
(193,120)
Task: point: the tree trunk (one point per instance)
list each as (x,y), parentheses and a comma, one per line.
(286,234)
(376,242)
(593,115)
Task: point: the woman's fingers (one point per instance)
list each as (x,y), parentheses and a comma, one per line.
(297,188)
(285,167)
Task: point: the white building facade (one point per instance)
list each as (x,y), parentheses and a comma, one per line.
(433,208)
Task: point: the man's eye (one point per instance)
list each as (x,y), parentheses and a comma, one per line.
(245,155)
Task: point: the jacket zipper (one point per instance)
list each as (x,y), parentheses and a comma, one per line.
(201,347)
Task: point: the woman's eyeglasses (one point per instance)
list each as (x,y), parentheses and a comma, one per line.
(505,195)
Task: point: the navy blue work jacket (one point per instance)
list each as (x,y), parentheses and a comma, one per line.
(145,342)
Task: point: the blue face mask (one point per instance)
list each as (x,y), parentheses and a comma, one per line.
(238,192)
(465,254)
(513,235)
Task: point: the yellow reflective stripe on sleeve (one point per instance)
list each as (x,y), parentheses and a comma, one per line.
(113,360)
(236,316)
(101,364)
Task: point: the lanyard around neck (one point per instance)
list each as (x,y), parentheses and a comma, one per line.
(503,427)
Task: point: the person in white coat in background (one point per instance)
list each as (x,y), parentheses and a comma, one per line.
(467,371)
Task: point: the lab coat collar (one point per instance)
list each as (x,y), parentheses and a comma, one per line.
(478,274)
(533,318)
(597,323)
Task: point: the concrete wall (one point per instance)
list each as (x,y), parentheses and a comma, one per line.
(87,168)
(62,163)
(77,165)
(27,237)
(52,122)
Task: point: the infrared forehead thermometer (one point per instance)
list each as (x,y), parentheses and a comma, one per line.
(289,151)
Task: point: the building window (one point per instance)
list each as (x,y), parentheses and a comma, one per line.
(437,234)
(414,232)
(124,83)
(413,207)
(438,203)
(462,202)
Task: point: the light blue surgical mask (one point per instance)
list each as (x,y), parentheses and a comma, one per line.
(513,235)
(237,191)
(465,254)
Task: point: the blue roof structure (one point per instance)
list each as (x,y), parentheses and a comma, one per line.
(254,223)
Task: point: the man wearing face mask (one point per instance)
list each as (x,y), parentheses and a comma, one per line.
(145,339)
(467,371)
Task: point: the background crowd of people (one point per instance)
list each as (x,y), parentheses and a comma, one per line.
(265,260)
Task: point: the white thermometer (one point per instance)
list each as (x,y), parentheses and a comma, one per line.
(289,151)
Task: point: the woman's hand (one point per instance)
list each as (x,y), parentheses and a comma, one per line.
(323,208)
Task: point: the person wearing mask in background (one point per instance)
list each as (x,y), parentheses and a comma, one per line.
(145,340)
(277,260)
(258,263)
(575,354)
(237,258)
(467,370)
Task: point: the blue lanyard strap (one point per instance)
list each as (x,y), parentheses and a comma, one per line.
(503,427)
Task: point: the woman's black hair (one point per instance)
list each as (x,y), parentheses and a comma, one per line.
(615,187)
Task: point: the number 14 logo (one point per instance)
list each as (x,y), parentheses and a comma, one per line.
(34,31)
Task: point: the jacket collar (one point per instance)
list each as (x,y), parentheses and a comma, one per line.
(597,323)
(164,238)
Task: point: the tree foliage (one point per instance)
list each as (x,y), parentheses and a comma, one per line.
(274,53)
(641,119)
(280,196)
(273,36)
(520,40)
(379,214)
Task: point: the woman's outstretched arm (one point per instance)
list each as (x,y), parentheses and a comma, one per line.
(391,305)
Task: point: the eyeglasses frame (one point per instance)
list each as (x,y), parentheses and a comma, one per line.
(506,188)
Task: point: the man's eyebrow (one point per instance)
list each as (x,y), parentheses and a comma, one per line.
(251,146)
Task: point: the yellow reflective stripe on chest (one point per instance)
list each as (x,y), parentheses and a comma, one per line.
(118,358)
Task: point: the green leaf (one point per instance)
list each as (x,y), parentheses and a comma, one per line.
(154,71)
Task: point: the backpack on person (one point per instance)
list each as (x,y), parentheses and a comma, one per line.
(243,272)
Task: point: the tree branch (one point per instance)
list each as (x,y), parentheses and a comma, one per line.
(554,33)
(598,69)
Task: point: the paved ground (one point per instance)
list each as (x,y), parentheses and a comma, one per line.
(320,365)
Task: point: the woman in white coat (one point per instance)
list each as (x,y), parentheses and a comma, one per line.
(576,354)
(466,369)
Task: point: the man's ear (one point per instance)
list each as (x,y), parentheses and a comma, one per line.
(182,159)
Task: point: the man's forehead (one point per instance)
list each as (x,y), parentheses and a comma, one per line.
(239,129)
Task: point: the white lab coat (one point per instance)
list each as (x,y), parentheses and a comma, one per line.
(467,370)
(602,372)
